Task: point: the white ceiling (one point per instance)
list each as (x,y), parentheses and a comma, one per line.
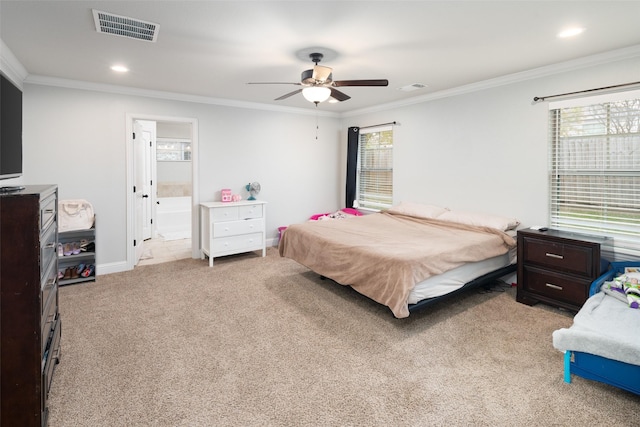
(213,48)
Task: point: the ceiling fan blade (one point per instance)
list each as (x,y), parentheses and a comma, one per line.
(273,83)
(287,95)
(377,82)
(321,73)
(339,96)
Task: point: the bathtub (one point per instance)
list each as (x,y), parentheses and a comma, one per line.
(173,218)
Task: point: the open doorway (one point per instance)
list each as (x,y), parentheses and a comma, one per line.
(162,210)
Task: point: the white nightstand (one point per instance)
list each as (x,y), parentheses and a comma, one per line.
(232,227)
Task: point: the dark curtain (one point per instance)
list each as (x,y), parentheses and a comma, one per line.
(353,138)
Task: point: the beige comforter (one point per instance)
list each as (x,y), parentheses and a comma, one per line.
(384,255)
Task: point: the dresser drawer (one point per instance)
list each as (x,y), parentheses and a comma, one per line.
(557,286)
(48,209)
(47,285)
(250,211)
(49,316)
(51,357)
(48,249)
(234,244)
(560,256)
(229,213)
(233,228)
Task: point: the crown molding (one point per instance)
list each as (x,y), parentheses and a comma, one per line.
(10,66)
(549,70)
(14,70)
(171,96)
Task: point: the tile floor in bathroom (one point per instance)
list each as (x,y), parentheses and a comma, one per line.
(157,251)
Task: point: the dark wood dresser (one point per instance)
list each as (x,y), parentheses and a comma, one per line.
(557,267)
(29,320)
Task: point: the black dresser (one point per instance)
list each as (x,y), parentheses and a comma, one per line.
(29,319)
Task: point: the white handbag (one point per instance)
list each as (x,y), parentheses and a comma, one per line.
(75,214)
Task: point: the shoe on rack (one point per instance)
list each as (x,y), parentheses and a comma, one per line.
(79,269)
(88,271)
(88,247)
(67,249)
(74,273)
(67,273)
(60,251)
(75,248)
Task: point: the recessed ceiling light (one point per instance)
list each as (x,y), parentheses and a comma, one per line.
(119,68)
(570,32)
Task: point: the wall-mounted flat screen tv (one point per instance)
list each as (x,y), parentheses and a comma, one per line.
(10,129)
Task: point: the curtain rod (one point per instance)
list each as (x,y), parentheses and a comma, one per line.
(381,124)
(542,98)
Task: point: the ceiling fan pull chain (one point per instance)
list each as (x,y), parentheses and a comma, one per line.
(317,127)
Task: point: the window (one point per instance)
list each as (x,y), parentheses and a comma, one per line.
(173,150)
(375,168)
(595,168)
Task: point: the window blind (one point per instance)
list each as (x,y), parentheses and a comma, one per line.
(595,170)
(375,168)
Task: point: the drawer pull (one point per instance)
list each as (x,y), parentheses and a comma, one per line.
(554,256)
(49,211)
(549,285)
(50,245)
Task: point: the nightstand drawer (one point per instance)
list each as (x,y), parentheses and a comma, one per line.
(559,256)
(556,286)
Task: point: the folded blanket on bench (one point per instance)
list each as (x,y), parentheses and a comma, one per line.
(604,326)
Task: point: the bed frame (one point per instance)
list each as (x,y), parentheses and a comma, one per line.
(619,374)
(484,280)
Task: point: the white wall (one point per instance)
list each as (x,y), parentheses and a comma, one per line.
(483,151)
(486,150)
(77,139)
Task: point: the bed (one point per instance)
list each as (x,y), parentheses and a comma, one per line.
(603,344)
(407,257)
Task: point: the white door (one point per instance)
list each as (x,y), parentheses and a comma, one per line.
(148,135)
(138,189)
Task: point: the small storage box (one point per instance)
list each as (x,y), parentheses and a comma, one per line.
(226,195)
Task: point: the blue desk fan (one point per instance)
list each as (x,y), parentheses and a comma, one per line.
(253,188)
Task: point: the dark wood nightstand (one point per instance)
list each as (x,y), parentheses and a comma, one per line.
(557,267)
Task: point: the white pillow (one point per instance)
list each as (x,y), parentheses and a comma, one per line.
(480,220)
(417,210)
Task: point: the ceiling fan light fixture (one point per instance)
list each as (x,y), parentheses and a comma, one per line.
(316,93)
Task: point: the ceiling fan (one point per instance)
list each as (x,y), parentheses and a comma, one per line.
(319,86)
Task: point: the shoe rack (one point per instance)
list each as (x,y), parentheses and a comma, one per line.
(77,249)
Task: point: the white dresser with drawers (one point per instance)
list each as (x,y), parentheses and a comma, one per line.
(228,228)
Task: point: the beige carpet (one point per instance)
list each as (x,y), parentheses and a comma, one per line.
(264,342)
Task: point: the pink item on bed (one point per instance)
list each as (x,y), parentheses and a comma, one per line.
(316,216)
(352,211)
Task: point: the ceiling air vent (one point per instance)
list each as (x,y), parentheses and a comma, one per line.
(123,26)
